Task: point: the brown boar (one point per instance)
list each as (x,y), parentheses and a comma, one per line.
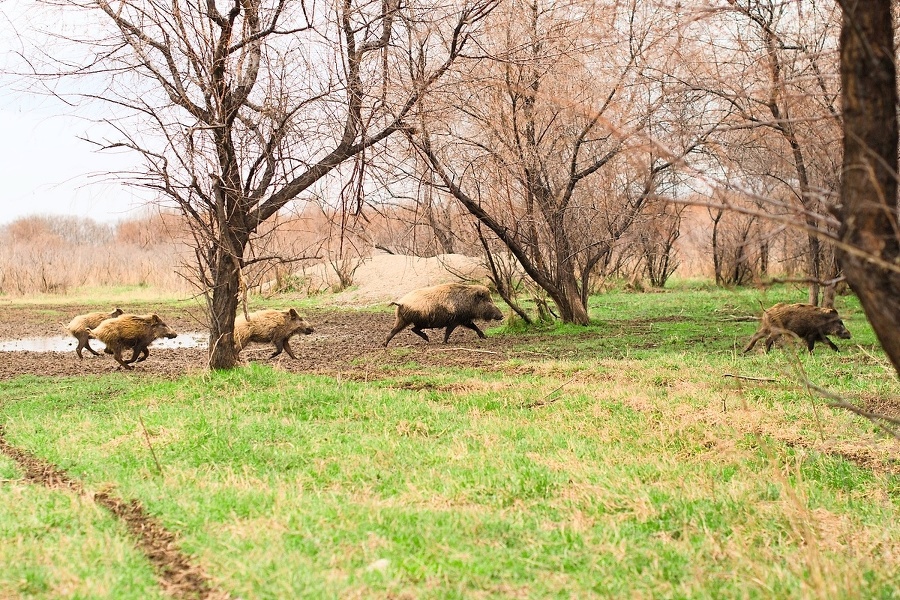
(810,323)
(449,305)
(80,325)
(269,326)
(136,332)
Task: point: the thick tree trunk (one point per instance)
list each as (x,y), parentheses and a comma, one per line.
(571,307)
(223,306)
(868,210)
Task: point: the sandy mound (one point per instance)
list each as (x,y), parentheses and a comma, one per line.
(384,277)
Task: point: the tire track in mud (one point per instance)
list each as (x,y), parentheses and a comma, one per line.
(176,572)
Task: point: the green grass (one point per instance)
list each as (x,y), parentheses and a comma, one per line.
(54,544)
(643,472)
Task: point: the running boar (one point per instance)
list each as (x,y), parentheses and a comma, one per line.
(449,305)
(810,323)
(80,325)
(136,332)
(269,326)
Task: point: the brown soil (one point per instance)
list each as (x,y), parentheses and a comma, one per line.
(344,343)
(177,574)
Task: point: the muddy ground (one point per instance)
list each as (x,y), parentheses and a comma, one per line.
(344,343)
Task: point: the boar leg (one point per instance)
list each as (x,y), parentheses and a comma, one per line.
(824,338)
(474,328)
(144,351)
(282,345)
(447,333)
(85,342)
(416,330)
(117,354)
(399,326)
(756,337)
(279,346)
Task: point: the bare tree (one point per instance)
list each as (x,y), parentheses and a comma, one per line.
(238,107)
(774,65)
(558,105)
(657,240)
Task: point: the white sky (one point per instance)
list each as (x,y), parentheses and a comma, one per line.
(44,167)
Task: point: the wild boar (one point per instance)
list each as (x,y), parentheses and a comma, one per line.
(449,305)
(136,332)
(808,322)
(80,325)
(269,326)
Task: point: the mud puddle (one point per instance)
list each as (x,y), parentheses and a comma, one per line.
(65,343)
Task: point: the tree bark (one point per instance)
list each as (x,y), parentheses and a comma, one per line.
(223,307)
(868,209)
(568,298)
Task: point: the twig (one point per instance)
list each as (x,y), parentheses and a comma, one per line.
(838,402)
(769,379)
(816,280)
(149,445)
(543,354)
(543,401)
(875,418)
(467,350)
(878,361)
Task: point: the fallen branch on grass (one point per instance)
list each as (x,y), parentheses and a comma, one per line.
(466,350)
(767,379)
(546,399)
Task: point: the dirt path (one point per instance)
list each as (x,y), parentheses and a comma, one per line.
(177,573)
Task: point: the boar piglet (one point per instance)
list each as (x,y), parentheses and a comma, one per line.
(136,332)
(269,327)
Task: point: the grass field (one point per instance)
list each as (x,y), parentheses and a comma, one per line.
(632,458)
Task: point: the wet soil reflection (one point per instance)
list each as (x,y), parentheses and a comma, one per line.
(64,343)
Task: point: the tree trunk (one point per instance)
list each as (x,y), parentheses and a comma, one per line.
(717,259)
(571,308)
(813,262)
(223,307)
(764,257)
(567,296)
(868,209)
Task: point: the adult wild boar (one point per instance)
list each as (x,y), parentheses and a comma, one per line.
(80,325)
(449,305)
(269,326)
(136,332)
(808,322)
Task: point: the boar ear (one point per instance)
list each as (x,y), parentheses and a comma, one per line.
(293,313)
(154,318)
